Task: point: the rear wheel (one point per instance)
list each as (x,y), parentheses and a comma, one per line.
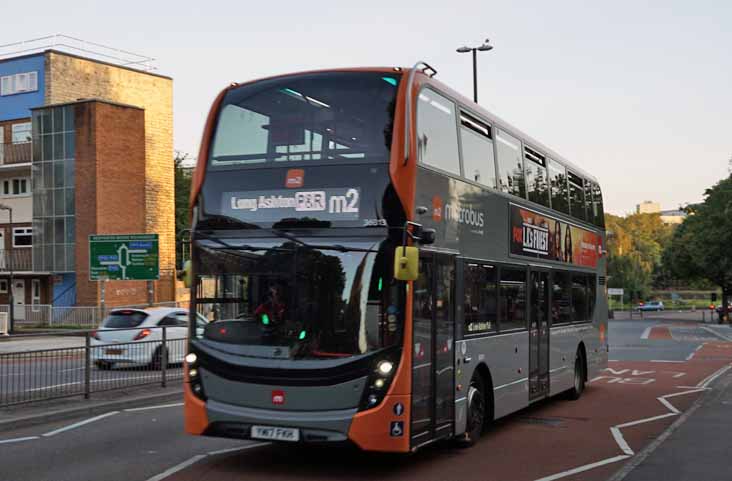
(477,409)
(579,378)
(104,365)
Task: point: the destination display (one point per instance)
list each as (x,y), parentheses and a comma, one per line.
(275,205)
(543,237)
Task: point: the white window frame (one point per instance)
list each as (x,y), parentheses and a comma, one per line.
(19,83)
(22,231)
(15,129)
(10,182)
(3,286)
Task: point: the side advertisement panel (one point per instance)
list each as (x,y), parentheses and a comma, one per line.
(543,237)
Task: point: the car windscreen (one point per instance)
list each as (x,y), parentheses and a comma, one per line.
(123,319)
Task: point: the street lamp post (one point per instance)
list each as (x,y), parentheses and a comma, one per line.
(11,317)
(485,47)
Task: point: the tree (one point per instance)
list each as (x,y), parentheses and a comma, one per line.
(183,176)
(635,247)
(700,247)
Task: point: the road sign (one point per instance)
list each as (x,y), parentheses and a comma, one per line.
(120,257)
(615,291)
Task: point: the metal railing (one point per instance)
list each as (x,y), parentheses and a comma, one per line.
(88,365)
(19,259)
(44,315)
(15,153)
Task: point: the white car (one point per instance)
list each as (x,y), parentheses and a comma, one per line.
(134,337)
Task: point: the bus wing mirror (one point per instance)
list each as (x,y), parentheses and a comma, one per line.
(187,274)
(428,236)
(406,263)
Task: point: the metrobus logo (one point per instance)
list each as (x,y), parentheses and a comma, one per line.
(278,397)
(295,178)
(436,208)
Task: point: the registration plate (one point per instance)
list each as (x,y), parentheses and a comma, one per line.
(114,352)
(275,433)
(310,201)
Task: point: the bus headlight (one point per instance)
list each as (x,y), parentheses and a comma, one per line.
(191,358)
(385,367)
(380,379)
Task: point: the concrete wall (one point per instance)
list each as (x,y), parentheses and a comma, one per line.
(70,78)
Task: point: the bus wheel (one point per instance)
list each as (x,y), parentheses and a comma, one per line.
(476,412)
(579,378)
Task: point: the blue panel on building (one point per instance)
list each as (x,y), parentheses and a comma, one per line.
(64,292)
(17,106)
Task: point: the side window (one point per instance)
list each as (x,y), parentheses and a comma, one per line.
(576,196)
(481,298)
(558,186)
(513,299)
(181,319)
(537,182)
(510,166)
(477,142)
(561,298)
(580,306)
(169,321)
(437,143)
(598,213)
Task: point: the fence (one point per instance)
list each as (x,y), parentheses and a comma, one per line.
(92,362)
(44,315)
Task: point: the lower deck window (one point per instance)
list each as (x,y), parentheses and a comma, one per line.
(513,299)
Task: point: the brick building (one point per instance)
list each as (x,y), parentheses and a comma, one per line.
(87,148)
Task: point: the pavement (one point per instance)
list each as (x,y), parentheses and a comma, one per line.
(646,417)
(36,343)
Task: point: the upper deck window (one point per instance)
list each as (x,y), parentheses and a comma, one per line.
(437,142)
(510,166)
(558,185)
(577,196)
(477,142)
(314,118)
(537,181)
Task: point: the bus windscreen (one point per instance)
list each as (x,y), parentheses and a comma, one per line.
(297,302)
(305,119)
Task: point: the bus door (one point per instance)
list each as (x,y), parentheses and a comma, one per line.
(539,335)
(433,374)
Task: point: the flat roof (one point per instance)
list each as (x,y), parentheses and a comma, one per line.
(89,100)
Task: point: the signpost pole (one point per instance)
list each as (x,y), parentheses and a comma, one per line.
(150,293)
(102,288)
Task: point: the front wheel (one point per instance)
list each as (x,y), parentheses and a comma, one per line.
(476,412)
(579,379)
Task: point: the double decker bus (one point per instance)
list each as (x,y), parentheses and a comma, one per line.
(377,259)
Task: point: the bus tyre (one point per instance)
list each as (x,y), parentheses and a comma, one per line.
(579,378)
(476,412)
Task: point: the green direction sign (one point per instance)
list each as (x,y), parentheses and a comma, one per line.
(123,257)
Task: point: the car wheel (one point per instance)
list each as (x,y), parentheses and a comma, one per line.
(104,365)
(579,379)
(477,408)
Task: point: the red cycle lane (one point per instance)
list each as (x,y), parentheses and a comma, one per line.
(621,411)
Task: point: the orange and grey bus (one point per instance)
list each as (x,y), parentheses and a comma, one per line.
(377,259)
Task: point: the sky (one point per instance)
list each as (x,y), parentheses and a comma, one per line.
(638,93)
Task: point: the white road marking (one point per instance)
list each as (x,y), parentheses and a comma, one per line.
(18,440)
(618,435)
(197,458)
(160,406)
(79,424)
(110,380)
(691,356)
(647,332)
(712,331)
(178,467)
(586,467)
(662,360)
(708,380)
